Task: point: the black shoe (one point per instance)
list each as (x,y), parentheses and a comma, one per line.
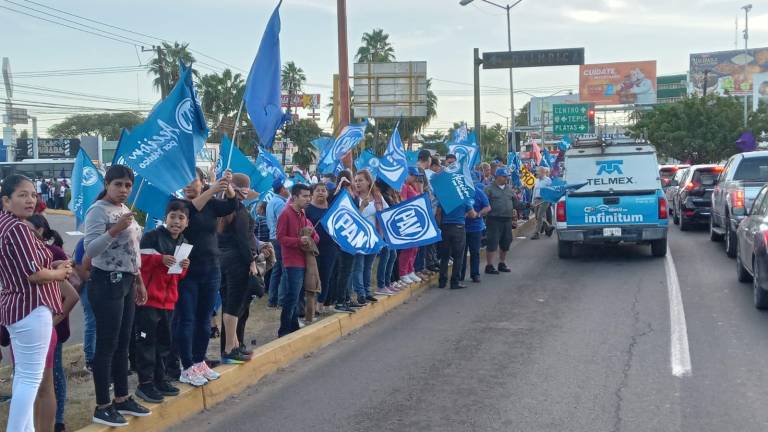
(148,393)
(343,308)
(354,305)
(109,416)
(550,230)
(245,350)
(458,286)
(476,279)
(442,284)
(59,427)
(235,357)
(490,270)
(371,298)
(166,389)
(503,268)
(131,407)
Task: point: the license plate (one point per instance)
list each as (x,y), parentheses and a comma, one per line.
(611,232)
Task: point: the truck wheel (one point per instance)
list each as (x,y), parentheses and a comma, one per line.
(684,226)
(760,295)
(730,240)
(659,247)
(713,235)
(564,249)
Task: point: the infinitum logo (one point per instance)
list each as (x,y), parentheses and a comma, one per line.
(605,215)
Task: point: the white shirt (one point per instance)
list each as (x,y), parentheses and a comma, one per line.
(544,181)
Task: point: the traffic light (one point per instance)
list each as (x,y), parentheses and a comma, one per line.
(591,117)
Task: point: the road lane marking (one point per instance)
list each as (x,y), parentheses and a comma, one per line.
(680,355)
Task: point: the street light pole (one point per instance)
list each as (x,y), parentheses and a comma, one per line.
(746,8)
(500,115)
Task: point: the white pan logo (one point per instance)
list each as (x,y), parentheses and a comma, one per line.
(185,114)
(90,176)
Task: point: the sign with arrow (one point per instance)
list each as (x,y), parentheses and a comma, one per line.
(570,118)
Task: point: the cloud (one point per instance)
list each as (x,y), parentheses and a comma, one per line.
(589,16)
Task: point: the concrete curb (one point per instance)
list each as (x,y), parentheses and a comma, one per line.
(59,212)
(267,359)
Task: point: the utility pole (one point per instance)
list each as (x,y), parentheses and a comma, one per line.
(285,130)
(158,49)
(344,117)
(746,8)
(477,61)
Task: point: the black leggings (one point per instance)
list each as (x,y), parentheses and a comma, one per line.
(112,298)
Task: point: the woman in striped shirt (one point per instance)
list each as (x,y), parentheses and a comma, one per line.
(29,296)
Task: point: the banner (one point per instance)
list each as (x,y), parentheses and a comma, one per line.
(409,224)
(727,72)
(268,165)
(347,140)
(241,164)
(393,166)
(760,89)
(618,83)
(349,228)
(526,177)
(162,149)
(87,183)
(452,190)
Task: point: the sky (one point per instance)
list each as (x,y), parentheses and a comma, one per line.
(226,33)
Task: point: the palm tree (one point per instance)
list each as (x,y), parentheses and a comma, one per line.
(172,55)
(376,48)
(292,78)
(221,97)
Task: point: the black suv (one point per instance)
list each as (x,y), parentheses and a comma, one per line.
(692,202)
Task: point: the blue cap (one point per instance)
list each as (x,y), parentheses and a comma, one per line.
(502,172)
(277,185)
(330,186)
(413,171)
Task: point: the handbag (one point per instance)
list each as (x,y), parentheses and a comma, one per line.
(256,285)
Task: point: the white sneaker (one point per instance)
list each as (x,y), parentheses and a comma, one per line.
(207,372)
(192,377)
(414,277)
(407,279)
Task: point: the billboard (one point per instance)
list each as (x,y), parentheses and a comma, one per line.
(760,89)
(727,72)
(48,148)
(301,101)
(539,104)
(618,83)
(390,90)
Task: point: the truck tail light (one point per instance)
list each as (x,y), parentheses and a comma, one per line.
(560,211)
(737,199)
(663,213)
(690,186)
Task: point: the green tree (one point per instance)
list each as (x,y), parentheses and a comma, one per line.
(108,125)
(435,141)
(494,142)
(376,48)
(302,133)
(221,96)
(521,118)
(172,55)
(292,78)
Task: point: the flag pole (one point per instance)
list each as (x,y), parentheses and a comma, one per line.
(234,134)
(138,192)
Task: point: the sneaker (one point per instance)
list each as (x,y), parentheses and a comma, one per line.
(343,308)
(549,231)
(395,287)
(302,323)
(166,389)
(407,279)
(131,407)
(355,305)
(192,377)
(384,292)
(414,277)
(534,237)
(245,350)
(148,393)
(503,268)
(109,416)
(207,373)
(235,357)
(371,299)
(476,279)
(489,269)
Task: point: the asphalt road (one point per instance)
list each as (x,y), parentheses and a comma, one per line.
(577,345)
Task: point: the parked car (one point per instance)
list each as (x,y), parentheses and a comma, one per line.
(737,186)
(671,190)
(692,199)
(751,246)
(667,173)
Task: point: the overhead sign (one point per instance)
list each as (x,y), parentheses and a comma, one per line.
(727,72)
(570,118)
(532,58)
(17,116)
(49,148)
(543,105)
(618,83)
(301,101)
(390,90)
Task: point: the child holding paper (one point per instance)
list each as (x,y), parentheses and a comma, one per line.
(153,319)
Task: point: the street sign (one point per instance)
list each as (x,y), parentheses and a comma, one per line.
(17,116)
(390,90)
(301,101)
(533,58)
(570,118)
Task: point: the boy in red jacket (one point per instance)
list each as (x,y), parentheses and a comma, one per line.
(152,323)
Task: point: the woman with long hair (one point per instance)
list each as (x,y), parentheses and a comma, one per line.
(29,297)
(328,249)
(369,202)
(112,238)
(344,260)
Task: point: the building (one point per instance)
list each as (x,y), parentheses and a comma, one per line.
(671,88)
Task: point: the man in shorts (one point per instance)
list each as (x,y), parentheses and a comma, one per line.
(503,202)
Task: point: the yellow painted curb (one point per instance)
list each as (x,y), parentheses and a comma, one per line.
(267,359)
(59,212)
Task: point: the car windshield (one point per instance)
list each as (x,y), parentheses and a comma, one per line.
(753,169)
(706,176)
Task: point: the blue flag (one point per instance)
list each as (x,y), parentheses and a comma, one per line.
(347,140)
(338,169)
(461,134)
(412,157)
(87,183)
(467,154)
(241,164)
(298,177)
(452,190)
(262,90)
(410,224)
(557,189)
(162,149)
(565,143)
(268,165)
(321,143)
(393,166)
(368,161)
(349,228)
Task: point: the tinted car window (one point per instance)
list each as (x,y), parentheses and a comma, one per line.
(706,176)
(758,207)
(752,169)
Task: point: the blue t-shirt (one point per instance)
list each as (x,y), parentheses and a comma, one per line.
(79,252)
(456,217)
(481,202)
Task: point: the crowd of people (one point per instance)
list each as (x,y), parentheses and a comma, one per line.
(149,300)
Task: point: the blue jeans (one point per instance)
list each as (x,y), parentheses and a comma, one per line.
(361,275)
(387,259)
(59,383)
(192,320)
(289,316)
(473,247)
(275,285)
(89,332)
(421,259)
